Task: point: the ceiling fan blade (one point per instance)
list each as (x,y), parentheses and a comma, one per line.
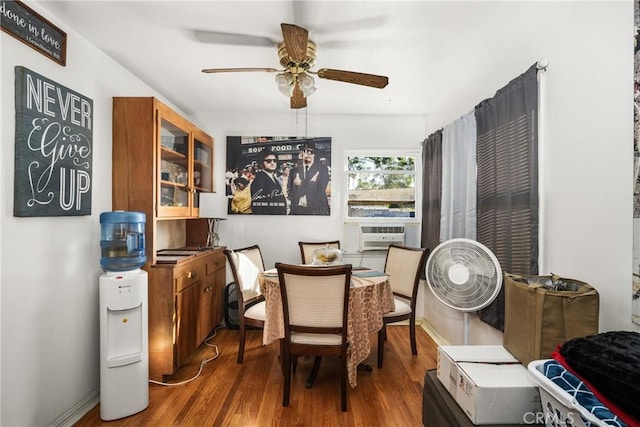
(236,70)
(295,40)
(307,13)
(297,98)
(218,37)
(371,80)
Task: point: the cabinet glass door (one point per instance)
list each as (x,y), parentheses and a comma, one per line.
(202,168)
(174,169)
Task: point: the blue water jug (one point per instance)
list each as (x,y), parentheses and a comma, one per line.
(122,240)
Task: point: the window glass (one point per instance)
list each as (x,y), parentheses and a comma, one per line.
(381,186)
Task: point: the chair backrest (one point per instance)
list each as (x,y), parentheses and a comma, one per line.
(315,299)
(246,265)
(307,249)
(404,266)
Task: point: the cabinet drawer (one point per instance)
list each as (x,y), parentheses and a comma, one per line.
(215,263)
(190,277)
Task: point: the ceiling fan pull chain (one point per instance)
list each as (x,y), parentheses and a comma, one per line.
(297,123)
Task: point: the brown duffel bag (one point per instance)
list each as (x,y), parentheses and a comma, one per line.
(542,312)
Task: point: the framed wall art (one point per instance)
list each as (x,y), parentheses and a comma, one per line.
(635,289)
(278,175)
(53,148)
(25,24)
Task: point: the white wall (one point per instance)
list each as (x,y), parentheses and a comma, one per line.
(278,236)
(589,138)
(587,162)
(50,266)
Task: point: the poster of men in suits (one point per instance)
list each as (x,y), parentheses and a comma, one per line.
(278,175)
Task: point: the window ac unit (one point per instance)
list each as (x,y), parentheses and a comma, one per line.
(379,237)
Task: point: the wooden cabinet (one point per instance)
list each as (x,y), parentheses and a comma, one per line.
(161,163)
(186,324)
(211,301)
(185,154)
(185,305)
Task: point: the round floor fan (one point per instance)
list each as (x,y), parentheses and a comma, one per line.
(464,275)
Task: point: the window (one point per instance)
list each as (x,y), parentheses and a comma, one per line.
(381,185)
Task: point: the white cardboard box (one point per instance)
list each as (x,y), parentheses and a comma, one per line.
(448,356)
(489,384)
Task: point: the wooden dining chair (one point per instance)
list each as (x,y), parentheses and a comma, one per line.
(307,249)
(246,265)
(315,304)
(404,266)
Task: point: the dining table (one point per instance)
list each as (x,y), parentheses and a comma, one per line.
(370,296)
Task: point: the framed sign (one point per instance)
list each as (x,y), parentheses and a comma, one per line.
(278,175)
(635,287)
(28,26)
(53,148)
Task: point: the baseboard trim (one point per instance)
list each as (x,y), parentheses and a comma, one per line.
(74,414)
(435,336)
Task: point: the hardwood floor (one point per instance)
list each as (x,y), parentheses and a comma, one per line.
(228,394)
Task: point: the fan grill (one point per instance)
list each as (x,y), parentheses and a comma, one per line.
(463,274)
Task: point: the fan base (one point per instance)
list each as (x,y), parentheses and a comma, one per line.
(306,63)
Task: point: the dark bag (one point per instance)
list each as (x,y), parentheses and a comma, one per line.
(610,362)
(542,312)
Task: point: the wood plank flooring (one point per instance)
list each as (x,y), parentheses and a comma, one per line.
(228,394)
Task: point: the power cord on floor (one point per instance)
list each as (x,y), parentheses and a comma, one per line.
(203,363)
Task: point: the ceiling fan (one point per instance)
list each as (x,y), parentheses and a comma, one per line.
(298,54)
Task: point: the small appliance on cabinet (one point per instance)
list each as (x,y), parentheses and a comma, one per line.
(124,348)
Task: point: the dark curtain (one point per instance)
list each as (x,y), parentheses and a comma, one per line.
(431,189)
(507,161)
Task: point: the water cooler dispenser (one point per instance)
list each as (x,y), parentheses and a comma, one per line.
(124,343)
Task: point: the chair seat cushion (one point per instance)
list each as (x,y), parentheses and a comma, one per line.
(315,339)
(256,311)
(401,308)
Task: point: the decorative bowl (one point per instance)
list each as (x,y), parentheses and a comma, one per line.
(327,256)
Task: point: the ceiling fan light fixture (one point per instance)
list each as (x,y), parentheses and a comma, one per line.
(308,92)
(287,91)
(285,83)
(307,84)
